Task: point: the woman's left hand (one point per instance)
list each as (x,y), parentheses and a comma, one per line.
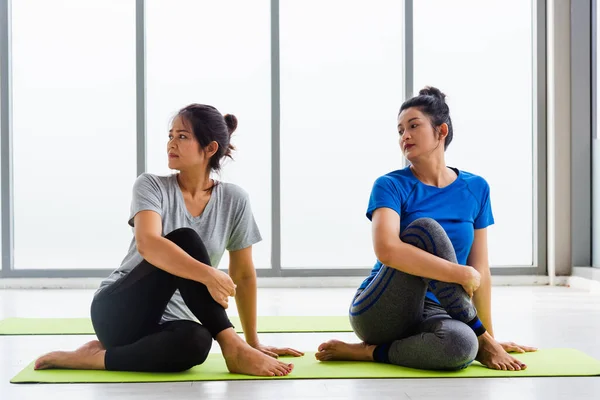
(275,352)
(511,347)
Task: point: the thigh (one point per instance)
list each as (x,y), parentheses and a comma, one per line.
(389,308)
(132,307)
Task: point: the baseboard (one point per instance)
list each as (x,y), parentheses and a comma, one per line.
(295,282)
(585,278)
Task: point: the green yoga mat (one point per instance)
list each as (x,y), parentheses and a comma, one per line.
(547,362)
(265,324)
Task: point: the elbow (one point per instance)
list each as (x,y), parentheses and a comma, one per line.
(143,246)
(247,277)
(384,253)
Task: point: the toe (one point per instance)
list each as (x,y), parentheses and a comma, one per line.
(324,346)
(283,371)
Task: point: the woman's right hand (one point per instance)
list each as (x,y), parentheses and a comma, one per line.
(221,287)
(471,280)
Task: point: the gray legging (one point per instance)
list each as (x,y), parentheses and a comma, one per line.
(409,329)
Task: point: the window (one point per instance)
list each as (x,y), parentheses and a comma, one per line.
(595,142)
(73,132)
(341,88)
(197,53)
(481,55)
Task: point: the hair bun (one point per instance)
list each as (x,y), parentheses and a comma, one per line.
(432,91)
(231,122)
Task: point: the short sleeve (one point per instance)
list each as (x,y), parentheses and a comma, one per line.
(485,217)
(384,194)
(244,232)
(146,196)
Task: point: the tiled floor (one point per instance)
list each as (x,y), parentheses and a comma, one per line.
(541,316)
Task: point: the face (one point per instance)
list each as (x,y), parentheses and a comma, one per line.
(183,148)
(417,136)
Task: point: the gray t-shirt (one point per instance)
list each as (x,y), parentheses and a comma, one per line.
(227,223)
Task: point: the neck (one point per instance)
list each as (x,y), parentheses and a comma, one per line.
(194,182)
(432,171)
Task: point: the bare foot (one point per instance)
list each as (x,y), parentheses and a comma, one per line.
(88,356)
(241,358)
(335,350)
(492,355)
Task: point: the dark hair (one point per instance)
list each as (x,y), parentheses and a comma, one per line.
(209,125)
(432,101)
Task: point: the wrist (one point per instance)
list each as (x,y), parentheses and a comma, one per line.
(253,341)
(204,274)
(462,275)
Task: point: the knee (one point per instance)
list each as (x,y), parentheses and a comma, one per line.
(428,224)
(193,346)
(427,234)
(198,344)
(189,240)
(461,349)
(182,235)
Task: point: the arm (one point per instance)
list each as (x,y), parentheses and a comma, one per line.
(478,259)
(482,298)
(164,254)
(391,251)
(243,274)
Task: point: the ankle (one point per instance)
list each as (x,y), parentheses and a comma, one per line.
(369,350)
(228,339)
(486,338)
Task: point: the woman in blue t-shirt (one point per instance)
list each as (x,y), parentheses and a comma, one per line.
(429,224)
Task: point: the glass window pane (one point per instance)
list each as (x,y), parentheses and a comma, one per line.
(215,53)
(480,53)
(596,153)
(341,88)
(74,131)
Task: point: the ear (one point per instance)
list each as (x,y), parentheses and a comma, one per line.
(211,149)
(443,129)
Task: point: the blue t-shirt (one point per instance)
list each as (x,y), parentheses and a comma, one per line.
(459,208)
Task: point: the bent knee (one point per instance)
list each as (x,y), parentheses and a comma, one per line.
(426,222)
(182,234)
(199,345)
(194,345)
(460,350)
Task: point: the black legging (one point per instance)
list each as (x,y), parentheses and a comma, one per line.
(126,316)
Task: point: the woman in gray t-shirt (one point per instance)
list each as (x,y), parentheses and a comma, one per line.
(161,309)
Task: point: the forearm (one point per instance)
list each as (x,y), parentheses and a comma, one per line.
(245,299)
(168,256)
(414,261)
(482,298)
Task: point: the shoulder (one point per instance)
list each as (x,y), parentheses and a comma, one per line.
(398,180)
(233,199)
(476,184)
(147,184)
(232,190)
(233,194)
(400,177)
(148,178)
